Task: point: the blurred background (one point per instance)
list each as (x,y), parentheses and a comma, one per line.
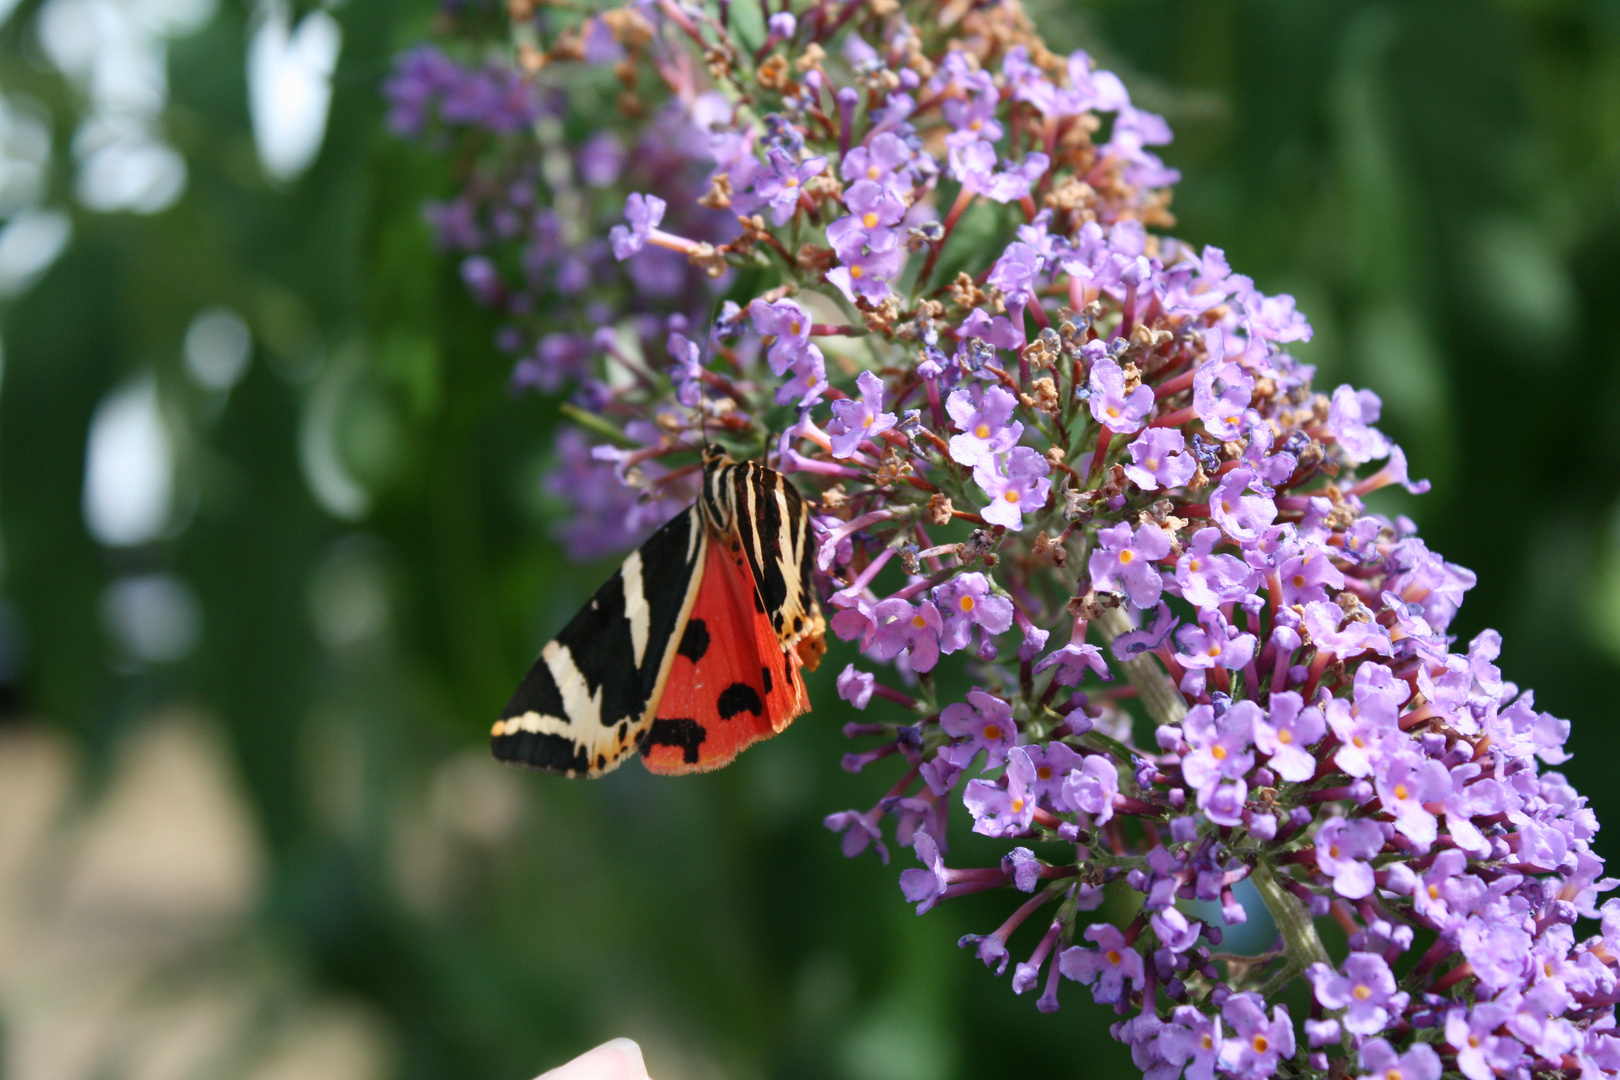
(274,547)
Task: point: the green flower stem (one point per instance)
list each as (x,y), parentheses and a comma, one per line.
(1300,939)
(1159,695)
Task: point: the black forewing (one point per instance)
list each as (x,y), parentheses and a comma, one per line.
(586,699)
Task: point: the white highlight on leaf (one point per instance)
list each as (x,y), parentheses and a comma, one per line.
(289,73)
(154,618)
(635,605)
(29,243)
(217,348)
(128,474)
(116,51)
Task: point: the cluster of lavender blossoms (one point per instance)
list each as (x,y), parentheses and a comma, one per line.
(1048,440)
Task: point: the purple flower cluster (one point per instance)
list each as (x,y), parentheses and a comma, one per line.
(1229,683)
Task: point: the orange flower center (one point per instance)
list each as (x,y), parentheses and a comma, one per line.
(1362,992)
(966,603)
(1285,736)
(1218,752)
(1011,496)
(982,431)
(856,272)
(1126,557)
(1114,957)
(869,219)
(992,731)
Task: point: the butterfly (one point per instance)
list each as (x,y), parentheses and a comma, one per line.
(693,651)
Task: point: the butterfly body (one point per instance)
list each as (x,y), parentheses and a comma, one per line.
(692,651)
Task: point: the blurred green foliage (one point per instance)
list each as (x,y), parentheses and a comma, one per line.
(361,522)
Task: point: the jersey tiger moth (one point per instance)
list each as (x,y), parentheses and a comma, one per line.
(692,651)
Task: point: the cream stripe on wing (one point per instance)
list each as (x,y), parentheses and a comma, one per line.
(584,709)
(635,605)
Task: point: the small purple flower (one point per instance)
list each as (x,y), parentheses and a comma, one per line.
(855,686)
(1221,394)
(788,323)
(1365,990)
(1111,965)
(1213,642)
(974,164)
(1004,811)
(881,158)
(1208,580)
(1073,661)
(1016,483)
(1220,746)
(1481,1053)
(1257,1044)
(1306,578)
(1160,460)
(1148,638)
(1286,732)
(1345,637)
(965,602)
(1383,1063)
(1015,273)
(1091,788)
(643,212)
(1343,848)
(809,370)
(866,275)
(855,421)
(1404,783)
(924,887)
(860,831)
(874,211)
(1124,562)
(987,428)
(1115,408)
(1243,516)
(1194,1040)
(1349,419)
(986,722)
(685,369)
(901,628)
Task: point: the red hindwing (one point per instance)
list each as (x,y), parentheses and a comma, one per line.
(731,684)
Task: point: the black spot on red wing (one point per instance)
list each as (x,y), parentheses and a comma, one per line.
(688,735)
(739,697)
(695,640)
(787,667)
(759,605)
(765,673)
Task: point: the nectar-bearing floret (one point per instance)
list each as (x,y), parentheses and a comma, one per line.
(921,264)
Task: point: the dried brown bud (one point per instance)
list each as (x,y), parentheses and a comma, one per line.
(964,293)
(1046,397)
(1045,547)
(773,74)
(939,510)
(718,197)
